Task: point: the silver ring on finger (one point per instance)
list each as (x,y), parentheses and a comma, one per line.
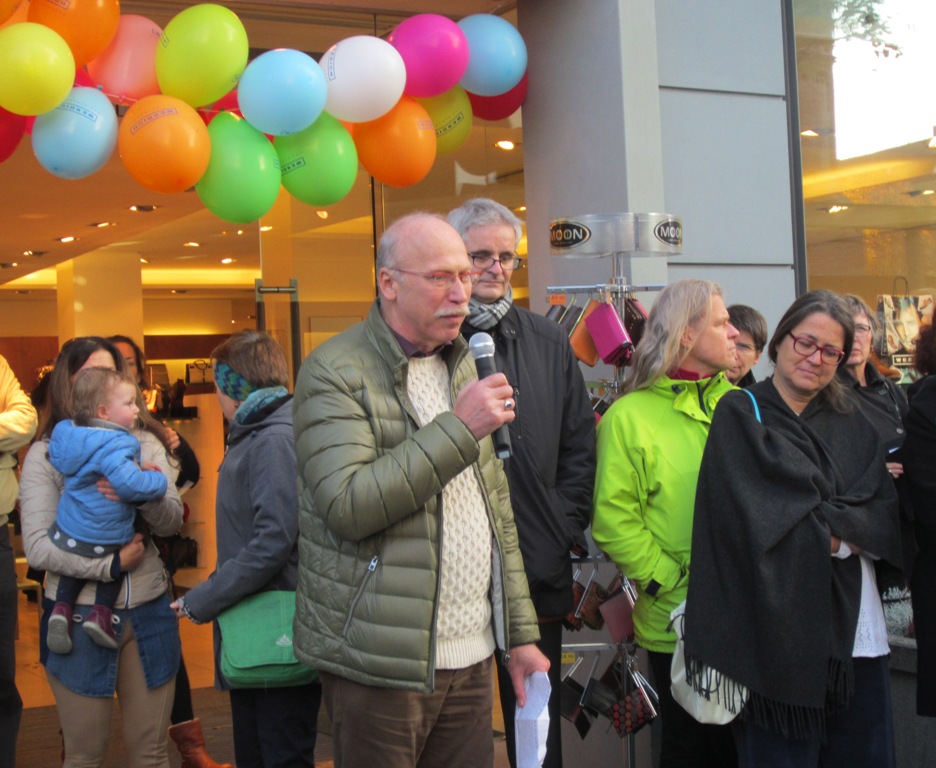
(508,404)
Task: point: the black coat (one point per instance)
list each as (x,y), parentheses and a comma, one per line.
(552,468)
(767,604)
(919,459)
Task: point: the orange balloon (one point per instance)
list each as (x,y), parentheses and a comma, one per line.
(398,148)
(164,144)
(8,8)
(87,26)
(13,12)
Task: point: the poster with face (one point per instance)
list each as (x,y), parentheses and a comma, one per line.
(900,319)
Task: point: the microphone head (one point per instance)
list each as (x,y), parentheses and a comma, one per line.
(481,345)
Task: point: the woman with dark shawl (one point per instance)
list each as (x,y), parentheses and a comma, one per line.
(793,505)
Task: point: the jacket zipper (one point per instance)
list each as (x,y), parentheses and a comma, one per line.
(372,566)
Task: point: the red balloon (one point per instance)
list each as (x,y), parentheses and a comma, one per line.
(12,128)
(227,103)
(501,106)
(83,79)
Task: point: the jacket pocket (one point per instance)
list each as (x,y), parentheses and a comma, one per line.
(371,567)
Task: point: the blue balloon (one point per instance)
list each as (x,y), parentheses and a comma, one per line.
(282,92)
(497,58)
(78,137)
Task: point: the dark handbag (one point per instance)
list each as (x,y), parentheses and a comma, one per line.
(257,643)
(635,318)
(177,551)
(625,697)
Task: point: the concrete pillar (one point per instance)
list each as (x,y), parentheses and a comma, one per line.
(591,128)
(100,294)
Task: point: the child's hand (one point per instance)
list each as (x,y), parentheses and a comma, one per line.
(152,468)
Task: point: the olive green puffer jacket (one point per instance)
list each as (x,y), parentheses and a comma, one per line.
(370,517)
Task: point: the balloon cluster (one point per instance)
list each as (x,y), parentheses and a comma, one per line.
(200,115)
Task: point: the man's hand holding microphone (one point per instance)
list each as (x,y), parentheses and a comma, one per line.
(487,406)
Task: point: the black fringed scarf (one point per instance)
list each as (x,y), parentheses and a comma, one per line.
(767,605)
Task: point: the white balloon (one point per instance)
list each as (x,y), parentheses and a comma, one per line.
(365,76)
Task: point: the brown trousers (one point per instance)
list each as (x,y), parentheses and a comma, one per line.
(448,728)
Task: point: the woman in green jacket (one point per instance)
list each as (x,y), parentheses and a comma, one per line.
(650,445)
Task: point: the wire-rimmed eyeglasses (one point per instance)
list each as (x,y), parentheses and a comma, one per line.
(443,280)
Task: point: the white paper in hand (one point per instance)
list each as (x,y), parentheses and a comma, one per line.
(532,722)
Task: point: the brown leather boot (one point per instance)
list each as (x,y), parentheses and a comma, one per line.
(188,737)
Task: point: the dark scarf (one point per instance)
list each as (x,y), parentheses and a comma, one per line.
(767,605)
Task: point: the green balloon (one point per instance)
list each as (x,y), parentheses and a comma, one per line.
(243,176)
(319,163)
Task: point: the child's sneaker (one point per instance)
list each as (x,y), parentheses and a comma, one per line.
(58,636)
(99,625)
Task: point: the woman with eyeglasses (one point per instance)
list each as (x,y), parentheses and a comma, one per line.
(142,669)
(885,404)
(794,505)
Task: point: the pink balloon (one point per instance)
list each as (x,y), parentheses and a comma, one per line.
(12,128)
(126,71)
(435,52)
(499,107)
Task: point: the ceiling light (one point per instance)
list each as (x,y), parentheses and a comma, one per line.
(928,191)
(227,260)
(37,254)
(809,133)
(322,214)
(266,228)
(24,293)
(240,231)
(146,208)
(66,239)
(144,261)
(179,290)
(7,264)
(191,244)
(520,208)
(505,144)
(837,208)
(102,224)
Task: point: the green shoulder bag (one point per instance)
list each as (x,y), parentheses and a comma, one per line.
(257,643)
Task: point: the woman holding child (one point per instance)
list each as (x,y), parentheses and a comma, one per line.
(142,669)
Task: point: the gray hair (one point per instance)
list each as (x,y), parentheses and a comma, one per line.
(859,306)
(481,211)
(679,306)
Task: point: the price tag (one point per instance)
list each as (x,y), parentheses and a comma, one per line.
(557,298)
(568,657)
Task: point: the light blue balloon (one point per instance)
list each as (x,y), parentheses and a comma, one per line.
(497,58)
(282,91)
(78,137)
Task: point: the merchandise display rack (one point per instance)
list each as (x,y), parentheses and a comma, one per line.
(618,235)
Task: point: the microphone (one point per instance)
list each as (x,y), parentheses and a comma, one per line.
(481,346)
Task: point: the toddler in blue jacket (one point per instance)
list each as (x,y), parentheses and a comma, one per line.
(97,444)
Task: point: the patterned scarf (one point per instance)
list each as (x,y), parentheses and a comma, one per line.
(256,401)
(486,316)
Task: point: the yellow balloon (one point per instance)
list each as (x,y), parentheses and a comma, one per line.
(451,117)
(201,54)
(38,69)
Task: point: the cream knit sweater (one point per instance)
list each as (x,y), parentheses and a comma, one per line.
(463,630)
